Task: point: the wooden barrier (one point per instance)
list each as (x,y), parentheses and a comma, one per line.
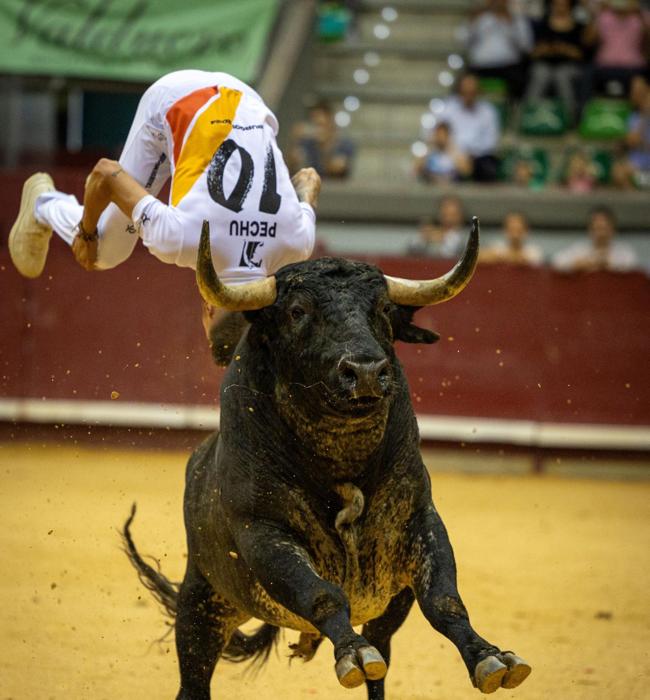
(518,344)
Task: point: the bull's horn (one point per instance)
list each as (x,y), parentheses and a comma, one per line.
(435,291)
(241,297)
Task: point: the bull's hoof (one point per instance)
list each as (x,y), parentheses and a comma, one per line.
(518,670)
(349,672)
(373,663)
(489,674)
(503,670)
(355,668)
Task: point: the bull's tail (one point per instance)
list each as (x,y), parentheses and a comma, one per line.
(162,589)
(255,647)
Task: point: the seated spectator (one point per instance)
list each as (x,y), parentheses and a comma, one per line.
(443,162)
(600,252)
(557,56)
(498,41)
(620,33)
(581,175)
(523,173)
(474,125)
(634,169)
(317,143)
(444,240)
(514,248)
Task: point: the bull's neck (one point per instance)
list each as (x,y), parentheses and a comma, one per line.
(345,442)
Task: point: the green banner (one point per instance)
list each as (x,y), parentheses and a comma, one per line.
(133,40)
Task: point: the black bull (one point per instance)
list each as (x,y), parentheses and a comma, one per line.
(312,508)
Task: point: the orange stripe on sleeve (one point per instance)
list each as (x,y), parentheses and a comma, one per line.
(182,112)
(210,130)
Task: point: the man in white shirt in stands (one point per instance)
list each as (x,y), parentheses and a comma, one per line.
(216,139)
(600,252)
(474,127)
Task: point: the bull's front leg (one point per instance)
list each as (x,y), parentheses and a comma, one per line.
(285,571)
(434,581)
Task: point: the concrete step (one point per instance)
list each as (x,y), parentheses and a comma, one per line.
(385,164)
(433,27)
(420,49)
(388,71)
(405,200)
(388,95)
(461,7)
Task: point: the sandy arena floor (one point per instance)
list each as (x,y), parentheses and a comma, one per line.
(556,569)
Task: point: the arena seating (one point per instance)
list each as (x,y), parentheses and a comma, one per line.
(386,82)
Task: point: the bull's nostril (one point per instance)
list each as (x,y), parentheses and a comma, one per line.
(349,374)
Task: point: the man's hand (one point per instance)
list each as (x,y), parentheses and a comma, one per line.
(85,252)
(306,182)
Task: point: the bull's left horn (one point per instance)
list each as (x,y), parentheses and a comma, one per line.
(240,297)
(435,291)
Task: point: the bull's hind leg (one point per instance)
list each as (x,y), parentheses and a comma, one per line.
(380,630)
(204,624)
(434,580)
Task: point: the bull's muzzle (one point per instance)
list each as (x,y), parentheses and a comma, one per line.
(364,380)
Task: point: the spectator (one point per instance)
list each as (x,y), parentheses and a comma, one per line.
(318,144)
(474,125)
(498,41)
(581,175)
(523,173)
(446,239)
(620,33)
(443,162)
(634,169)
(600,252)
(558,56)
(513,248)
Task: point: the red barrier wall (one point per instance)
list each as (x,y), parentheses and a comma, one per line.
(518,343)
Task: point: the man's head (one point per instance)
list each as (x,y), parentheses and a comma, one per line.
(560,6)
(440,136)
(601,227)
(468,89)
(515,229)
(638,91)
(450,213)
(498,6)
(321,118)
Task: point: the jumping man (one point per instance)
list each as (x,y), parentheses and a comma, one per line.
(216,138)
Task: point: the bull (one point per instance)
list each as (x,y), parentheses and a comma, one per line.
(312,508)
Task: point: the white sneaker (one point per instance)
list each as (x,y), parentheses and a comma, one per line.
(29,240)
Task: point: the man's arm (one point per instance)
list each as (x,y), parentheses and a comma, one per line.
(107,183)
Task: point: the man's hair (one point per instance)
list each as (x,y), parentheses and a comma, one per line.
(518,214)
(461,77)
(322,106)
(602,210)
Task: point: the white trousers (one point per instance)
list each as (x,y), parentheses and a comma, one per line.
(145,158)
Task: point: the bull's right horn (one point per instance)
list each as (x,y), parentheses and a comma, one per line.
(429,292)
(241,297)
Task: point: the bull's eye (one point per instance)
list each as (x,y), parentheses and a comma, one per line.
(297,312)
(386,308)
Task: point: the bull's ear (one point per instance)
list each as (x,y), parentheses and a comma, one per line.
(412,334)
(408,332)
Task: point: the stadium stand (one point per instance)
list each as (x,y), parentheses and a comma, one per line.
(387,81)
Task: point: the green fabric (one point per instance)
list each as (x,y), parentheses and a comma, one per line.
(543,118)
(133,40)
(605,119)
